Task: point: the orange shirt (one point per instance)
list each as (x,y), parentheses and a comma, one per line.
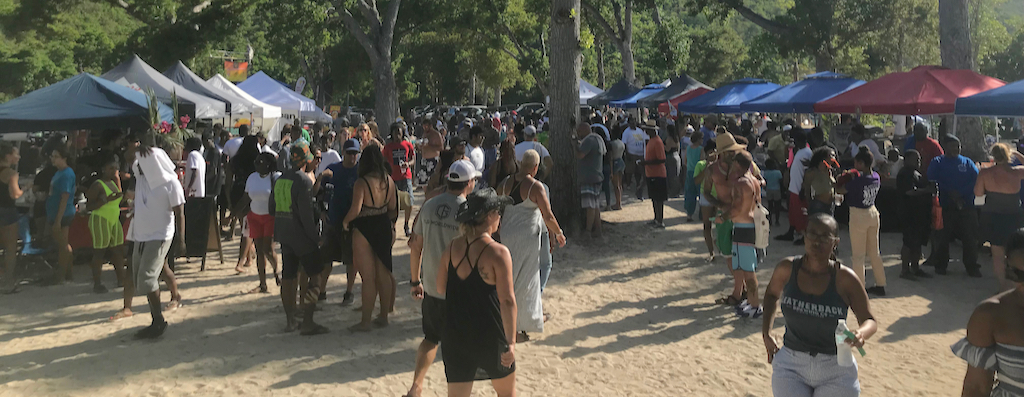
(655,151)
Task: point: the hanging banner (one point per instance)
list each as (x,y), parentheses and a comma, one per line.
(300,85)
(236,71)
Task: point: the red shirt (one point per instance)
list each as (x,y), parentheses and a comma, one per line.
(655,151)
(399,155)
(929,149)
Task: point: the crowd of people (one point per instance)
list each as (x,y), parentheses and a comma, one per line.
(481,242)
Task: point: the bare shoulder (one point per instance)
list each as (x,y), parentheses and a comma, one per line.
(498,250)
(785,265)
(847,278)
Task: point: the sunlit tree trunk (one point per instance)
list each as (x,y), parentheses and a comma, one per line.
(565,63)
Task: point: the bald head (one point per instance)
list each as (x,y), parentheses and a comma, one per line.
(826,220)
(582,130)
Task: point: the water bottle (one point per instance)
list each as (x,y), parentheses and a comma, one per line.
(844,353)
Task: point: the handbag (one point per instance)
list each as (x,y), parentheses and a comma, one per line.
(762,228)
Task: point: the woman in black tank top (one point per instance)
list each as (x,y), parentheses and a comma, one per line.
(476,276)
(9,192)
(816,293)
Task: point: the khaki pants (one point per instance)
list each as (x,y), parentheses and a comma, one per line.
(864,240)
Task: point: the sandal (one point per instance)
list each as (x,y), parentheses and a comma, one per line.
(173,305)
(121,314)
(728,300)
(522,336)
(258,290)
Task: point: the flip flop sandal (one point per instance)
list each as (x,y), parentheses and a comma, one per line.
(728,300)
(173,305)
(120,315)
(258,290)
(317,330)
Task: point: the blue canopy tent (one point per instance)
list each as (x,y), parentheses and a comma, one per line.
(727,98)
(1005,101)
(801,96)
(631,102)
(81,102)
(272,92)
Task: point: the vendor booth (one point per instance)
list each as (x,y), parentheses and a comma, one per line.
(137,72)
(81,102)
(727,98)
(293,105)
(265,117)
(588,91)
(1005,101)
(680,89)
(800,97)
(181,74)
(620,90)
(631,102)
(922,91)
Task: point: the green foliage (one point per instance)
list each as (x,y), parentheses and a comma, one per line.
(714,52)
(1007,64)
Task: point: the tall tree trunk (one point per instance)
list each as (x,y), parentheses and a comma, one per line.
(377,41)
(385,94)
(621,35)
(565,63)
(600,66)
(497,96)
(958,53)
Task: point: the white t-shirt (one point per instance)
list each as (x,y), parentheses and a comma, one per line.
(522,147)
(198,163)
(476,156)
(796,176)
(232,145)
(635,140)
(154,209)
(258,189)
(326,159)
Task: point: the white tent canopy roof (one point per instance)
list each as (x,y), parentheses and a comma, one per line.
(588,91)
(268,111)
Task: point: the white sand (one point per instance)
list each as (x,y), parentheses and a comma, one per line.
(634,316)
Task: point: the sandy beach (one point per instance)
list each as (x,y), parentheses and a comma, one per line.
(634,315)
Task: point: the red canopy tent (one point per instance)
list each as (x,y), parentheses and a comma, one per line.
(923,90)
(663,108)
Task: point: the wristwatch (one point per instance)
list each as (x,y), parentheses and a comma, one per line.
(415,283)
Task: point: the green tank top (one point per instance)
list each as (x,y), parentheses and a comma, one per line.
(110,210)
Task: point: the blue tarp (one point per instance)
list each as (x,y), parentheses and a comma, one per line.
(801,96)
(273,92)
(727,98)
(1005,101)
(630,102)
(81,102)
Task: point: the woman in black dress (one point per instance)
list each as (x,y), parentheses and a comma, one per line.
(479,335)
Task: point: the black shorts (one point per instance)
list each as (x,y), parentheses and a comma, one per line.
(312,263)
(337,245)
(434,318)
(657,188)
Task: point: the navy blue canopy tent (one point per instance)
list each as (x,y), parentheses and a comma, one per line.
(801,96)
(1005,101)
(682,84)
(620,90)
(727,98)
(81,102)
(630,102)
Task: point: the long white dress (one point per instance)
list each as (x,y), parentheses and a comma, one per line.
(521,227)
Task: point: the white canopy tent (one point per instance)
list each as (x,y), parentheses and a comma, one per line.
(588,91)
(265,118)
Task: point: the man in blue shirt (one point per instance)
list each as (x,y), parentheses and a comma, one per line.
(955,176)
(341,178)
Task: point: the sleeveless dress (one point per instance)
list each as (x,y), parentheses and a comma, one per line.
(375,225)
(8,211)
(105,222)
(474,334)
(521,231)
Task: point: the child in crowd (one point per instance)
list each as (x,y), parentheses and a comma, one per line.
(773,189)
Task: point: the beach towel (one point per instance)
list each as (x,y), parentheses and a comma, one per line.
(158,167)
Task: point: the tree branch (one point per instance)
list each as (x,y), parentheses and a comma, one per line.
(627,32)
(595,14)
(388,28)
(372,17)
(357,31)
(769,25)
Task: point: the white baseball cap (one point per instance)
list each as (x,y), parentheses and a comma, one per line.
(530,130)
(462,171)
